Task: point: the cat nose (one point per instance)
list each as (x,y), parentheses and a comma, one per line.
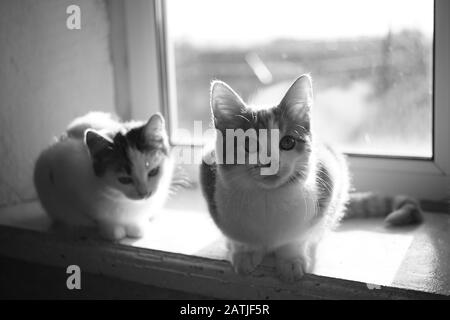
(144,194)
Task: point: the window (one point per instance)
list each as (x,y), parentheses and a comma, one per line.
(372,74)
(377,93)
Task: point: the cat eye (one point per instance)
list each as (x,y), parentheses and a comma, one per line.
(153,172)
(125,180)
(287,143)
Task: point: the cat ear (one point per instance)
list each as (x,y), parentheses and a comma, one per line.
(298,99)
(226,104)
(154,126)
(97,143)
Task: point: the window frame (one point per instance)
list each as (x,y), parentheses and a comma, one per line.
(423,178)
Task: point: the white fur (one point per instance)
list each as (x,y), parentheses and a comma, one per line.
(283,220)
(261,214)
(73,195)
(266,218)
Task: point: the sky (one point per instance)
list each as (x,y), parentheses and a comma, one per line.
(248,22)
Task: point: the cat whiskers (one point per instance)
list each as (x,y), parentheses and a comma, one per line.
(315,210)
(241,116)
(298,174)
(324,185)
(302,129)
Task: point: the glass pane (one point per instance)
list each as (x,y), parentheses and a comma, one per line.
(371,62)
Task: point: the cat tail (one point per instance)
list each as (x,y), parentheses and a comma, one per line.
(399,210)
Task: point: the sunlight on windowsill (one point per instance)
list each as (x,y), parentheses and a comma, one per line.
(366,251)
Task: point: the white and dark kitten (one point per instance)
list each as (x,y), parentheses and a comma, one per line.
(286,213)
(107,174)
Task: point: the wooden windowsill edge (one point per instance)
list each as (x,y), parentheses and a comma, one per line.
(197,275)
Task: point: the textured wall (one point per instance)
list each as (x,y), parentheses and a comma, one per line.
(48,75)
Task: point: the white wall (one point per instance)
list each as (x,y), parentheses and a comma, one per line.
(48,75)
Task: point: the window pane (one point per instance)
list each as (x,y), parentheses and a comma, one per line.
(371,62)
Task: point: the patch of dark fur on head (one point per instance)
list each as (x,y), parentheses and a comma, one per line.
(112,158)
(243,120)
(289,119)
(116,158)
(247,120)
(136,138)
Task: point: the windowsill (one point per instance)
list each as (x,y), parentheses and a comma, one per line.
(184,251)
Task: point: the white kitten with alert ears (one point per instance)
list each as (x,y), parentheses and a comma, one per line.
(287,212)
(107,174)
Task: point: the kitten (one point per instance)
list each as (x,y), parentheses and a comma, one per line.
(107,174)
(288,212)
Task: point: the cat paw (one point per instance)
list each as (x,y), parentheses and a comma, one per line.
(292,269)
(245,262)
(134,231)
(113,233)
